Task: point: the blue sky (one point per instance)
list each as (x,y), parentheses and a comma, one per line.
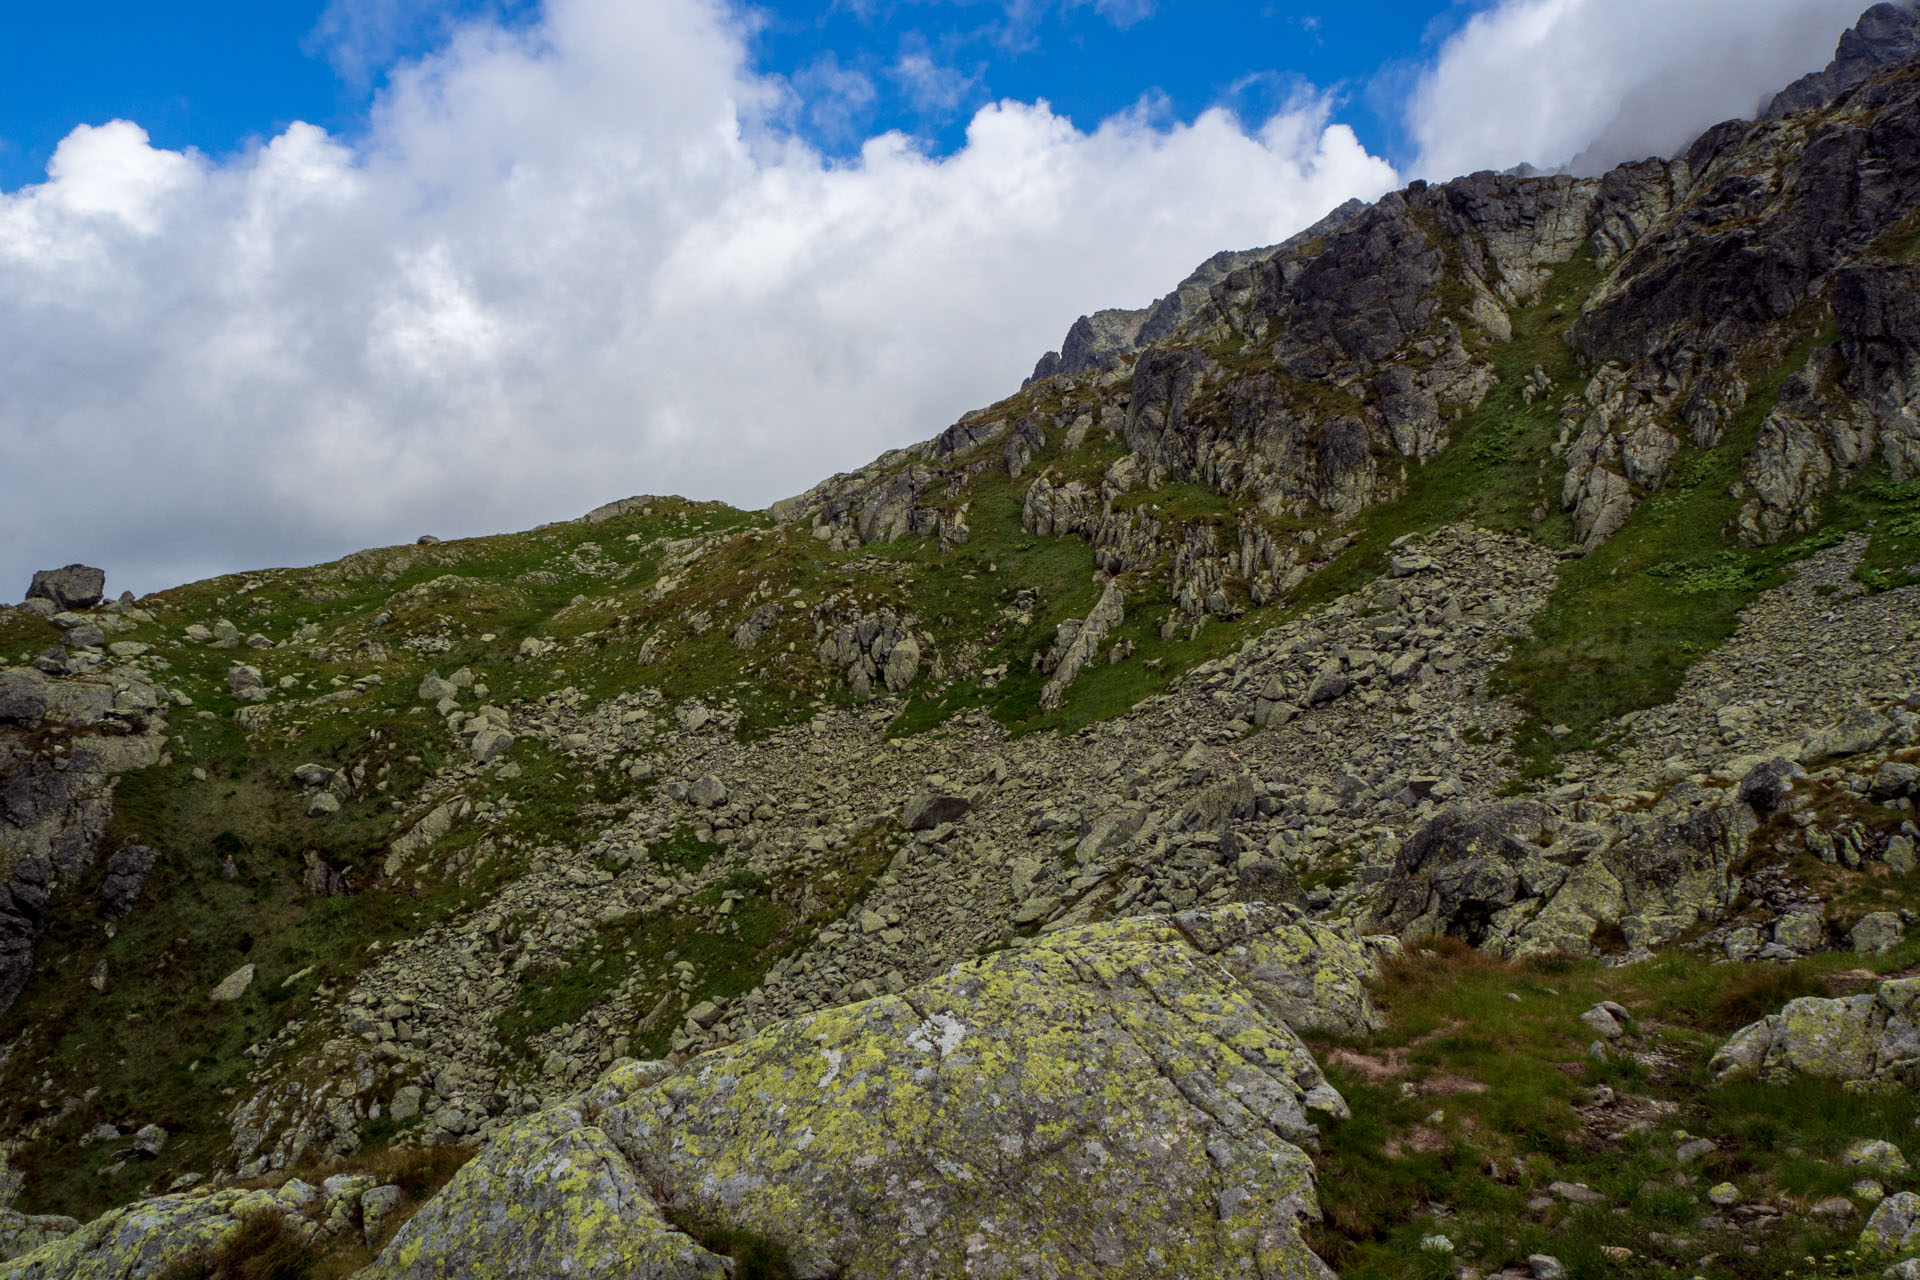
(219,74)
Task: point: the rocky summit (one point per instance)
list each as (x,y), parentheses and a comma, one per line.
(1399,759)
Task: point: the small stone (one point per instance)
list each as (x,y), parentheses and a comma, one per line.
(930,809)
(1876,1156)
(234,985)
(1877,931)
(1838,1208)
(708,792)
(1546,1266)
(1869,1190)
(1436,1244)
(149,1139)
(247,684)
(1694,1150)
(1724,1194)
(1603,1022)
(490,744)
(323,804)
(1577,1193)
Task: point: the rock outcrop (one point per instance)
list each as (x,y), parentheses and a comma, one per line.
(1519,879)
(63,742)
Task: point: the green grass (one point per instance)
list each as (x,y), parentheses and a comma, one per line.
(1465,1077)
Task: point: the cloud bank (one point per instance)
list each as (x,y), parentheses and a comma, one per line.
(1592,83)
(569,260)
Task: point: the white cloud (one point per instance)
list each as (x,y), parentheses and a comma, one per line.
(566,262)
(1595,82)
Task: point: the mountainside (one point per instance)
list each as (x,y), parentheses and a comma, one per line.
(1310,783)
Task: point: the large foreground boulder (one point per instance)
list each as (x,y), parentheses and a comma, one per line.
(1869,1039)
(1109,1101)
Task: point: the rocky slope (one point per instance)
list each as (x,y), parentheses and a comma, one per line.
(998,860)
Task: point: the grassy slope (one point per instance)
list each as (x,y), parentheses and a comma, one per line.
(1487,1079)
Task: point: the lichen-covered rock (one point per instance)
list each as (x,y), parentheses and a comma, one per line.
(1117,1100)
(141,1240)
(1876,932)
(1870,1039)
(551,1196)
(1894,1226)
(1311,976)
(23,1233)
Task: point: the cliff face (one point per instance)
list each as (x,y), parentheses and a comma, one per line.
(968,866)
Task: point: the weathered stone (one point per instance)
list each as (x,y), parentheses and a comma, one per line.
(1800,932)
(490,744)
(140,1241)
(23,696)
(1873,1038)
(929,809)
(247,684)
(75,587)
(1876,1155)
(1876,932)
(1079,643)
(376,1206)
(903,664)
(707,791)
(549,1196)
(1894,1226)
(1602,1023)
(233,986)
(1767,786)
(21,1234)
(433,687)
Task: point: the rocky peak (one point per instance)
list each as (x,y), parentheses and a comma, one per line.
(1886,36)
(1097,339)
